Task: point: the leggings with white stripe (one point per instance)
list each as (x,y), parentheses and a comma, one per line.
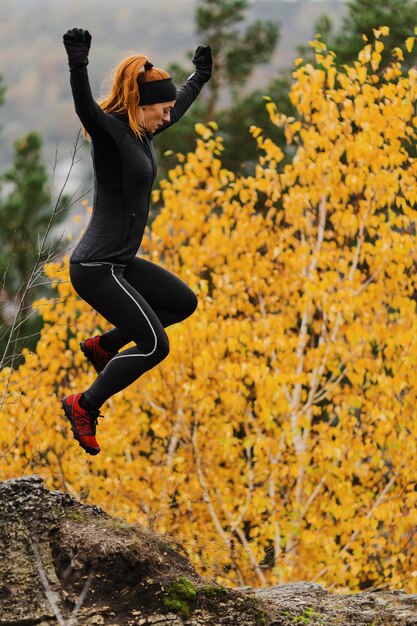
(139,300)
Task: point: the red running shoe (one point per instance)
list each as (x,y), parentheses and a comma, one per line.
(83,423)
(95,354)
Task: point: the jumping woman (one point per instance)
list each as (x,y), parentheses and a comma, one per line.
(140,299)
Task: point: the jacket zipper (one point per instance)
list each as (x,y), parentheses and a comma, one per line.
(133,214)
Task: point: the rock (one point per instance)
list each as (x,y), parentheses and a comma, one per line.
(61,560)
(313,605)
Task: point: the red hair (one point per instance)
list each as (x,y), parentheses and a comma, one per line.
(124,92)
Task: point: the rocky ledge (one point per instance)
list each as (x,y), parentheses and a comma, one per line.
(71,564)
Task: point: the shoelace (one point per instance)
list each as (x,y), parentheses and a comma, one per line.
(94,415)
(86,424)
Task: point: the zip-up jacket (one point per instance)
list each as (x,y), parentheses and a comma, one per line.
(124,172)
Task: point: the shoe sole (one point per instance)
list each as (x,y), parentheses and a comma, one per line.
(85,353)
(88,449)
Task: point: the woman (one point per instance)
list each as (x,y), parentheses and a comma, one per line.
(139,298)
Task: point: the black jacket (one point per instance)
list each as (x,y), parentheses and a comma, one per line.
(124,171)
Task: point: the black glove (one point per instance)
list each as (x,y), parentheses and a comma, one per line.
(203,62)
(77,44)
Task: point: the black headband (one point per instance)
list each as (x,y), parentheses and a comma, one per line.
(153,91)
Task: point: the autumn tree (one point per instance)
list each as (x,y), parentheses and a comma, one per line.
(241,155)
(362,17)
(278,440)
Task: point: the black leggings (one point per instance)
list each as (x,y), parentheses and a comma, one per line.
(139,300)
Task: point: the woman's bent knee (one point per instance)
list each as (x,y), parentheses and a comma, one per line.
(158,351)
(163,348)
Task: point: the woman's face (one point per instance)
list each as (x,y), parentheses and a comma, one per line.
(152,116)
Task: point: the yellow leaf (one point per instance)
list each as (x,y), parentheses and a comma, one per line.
(362,72)
(244,195)
(409,43)
(271,108)
(382,30)
(379,46)
(398,53)
(200,129)
(375,60)
(255,131)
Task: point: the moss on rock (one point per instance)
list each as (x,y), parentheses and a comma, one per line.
(180,597)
